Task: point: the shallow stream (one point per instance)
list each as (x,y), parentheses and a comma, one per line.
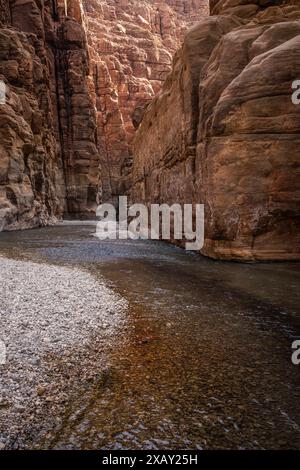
(205,361)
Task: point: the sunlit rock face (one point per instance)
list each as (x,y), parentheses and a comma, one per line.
(49,161)
(78,75)
(131,44)
(224,131)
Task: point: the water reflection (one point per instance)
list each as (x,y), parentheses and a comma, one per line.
(206,359)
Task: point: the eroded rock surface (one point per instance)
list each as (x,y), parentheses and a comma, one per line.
(49,159)
(224,131)
(132,43)
(78,75)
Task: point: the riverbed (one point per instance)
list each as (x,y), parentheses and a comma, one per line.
(202,359)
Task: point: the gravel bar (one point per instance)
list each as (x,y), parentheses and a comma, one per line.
(58,325)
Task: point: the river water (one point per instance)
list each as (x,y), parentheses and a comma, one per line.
(205,362)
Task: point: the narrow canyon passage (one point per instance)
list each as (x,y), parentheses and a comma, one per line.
(202,358)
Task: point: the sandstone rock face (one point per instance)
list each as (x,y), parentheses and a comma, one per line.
(76,124)
(131,44)
(225,132)
(29,168)
(49,162)
(78,75)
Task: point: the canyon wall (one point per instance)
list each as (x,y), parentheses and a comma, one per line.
(131,44)
(77,76)
(49,161)
(224,131)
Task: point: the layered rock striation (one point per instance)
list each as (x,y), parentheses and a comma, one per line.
(131,45)
(224,131)
(77,76)
(49,161)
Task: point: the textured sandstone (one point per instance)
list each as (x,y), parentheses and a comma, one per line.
(28,163)
(78,75)
(131,47)
(49,161)
(224,131)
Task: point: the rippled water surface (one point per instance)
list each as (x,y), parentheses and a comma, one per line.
(205,361)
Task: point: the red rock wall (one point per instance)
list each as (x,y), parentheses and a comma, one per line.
(76,118)
(78,74)
(49,161)
(31,190)
(131,44)
(224,131)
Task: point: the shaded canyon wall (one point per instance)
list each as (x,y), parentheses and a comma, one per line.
(49,161)
(224,131)
(131,45)
(77,76)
